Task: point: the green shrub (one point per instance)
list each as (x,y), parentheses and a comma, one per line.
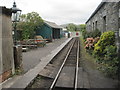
(110,52)
(84,34)
(94,34)
(106,39)
(105,52)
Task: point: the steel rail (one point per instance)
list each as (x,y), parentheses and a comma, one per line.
(54,82)
(77,63)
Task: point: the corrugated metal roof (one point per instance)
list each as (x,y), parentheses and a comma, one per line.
(52,24)
(98,8)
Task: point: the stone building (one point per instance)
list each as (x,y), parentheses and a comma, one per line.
(6,44)
(106,17)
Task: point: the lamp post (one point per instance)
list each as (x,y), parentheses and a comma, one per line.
(16,12)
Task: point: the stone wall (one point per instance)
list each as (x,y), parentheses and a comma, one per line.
(6,43)
(105,18)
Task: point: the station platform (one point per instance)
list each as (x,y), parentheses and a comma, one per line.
(34,61)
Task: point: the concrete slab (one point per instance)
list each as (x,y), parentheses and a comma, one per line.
(86,80)
(24,81)
(47,71)
(10,81)
(80,78)
(83,81)
(66,78)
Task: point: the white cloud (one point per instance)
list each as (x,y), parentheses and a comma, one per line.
(59,11)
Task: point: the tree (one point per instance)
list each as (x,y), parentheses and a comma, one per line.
(82,27)
(29,23)
(74,27)
(78,27)
(71,27)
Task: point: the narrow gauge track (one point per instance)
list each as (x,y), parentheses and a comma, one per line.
(67,75)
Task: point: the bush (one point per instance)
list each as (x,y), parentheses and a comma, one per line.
(94,34)
(105,52)
(106,39)
(110,61)
(89,45)
(91,38)
(84,34)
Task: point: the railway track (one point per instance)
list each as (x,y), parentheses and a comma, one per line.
(67,75)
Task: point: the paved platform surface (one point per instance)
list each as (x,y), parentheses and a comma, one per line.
(33,57)
(34,61)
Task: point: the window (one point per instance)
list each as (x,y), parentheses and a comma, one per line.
(104,23)
(95,25)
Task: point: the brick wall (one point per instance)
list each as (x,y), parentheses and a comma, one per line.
(5,75)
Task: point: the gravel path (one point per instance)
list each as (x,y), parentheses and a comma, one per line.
(33,57)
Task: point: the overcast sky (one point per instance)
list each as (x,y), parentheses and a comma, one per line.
(58,11)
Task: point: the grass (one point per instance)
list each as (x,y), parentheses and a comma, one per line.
(91,61)
(85,56)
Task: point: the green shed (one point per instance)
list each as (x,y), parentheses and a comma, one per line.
(50,30)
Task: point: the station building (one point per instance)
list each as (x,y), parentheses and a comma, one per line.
(50,30)
(106,17)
